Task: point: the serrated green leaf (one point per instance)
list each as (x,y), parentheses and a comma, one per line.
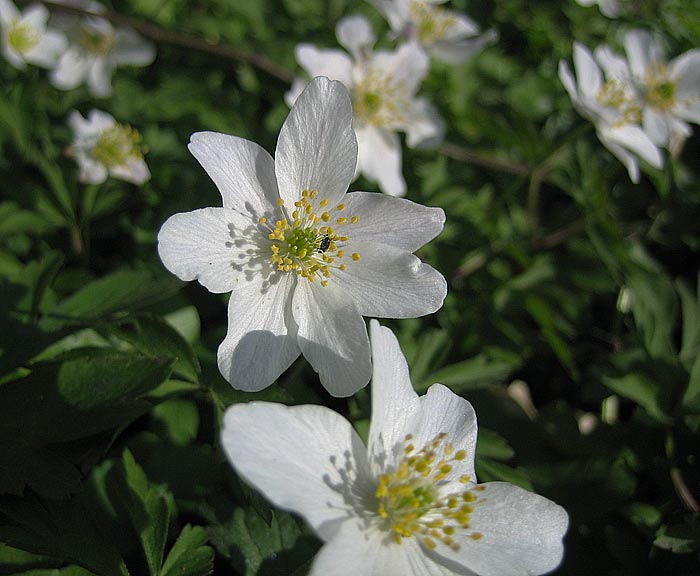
(189,556)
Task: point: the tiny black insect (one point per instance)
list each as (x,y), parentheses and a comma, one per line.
(325,243)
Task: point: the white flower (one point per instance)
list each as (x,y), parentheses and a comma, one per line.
(613,110)
(303,259)
(383,85)
(408,504)
(670,92)
(96,49)
(103,147)
(25,37)
(447,35)
(610,8)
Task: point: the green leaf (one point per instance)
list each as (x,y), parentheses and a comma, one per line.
(489,471)
(492,445)
(480,371)
(189,556)
(154,337)
(180,418)
(690,338)
(644,391)
(691,398)
(545,317)
(149,511)
(680,538)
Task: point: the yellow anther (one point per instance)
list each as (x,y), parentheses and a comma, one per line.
(354,220)
(340,207)
(323,203)
(262,219)
(280,202)
(460,455)
(356,256)
(476,536)
(341,220)
(325,216)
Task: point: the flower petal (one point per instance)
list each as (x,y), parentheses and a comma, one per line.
(426,128)
(393,221)
(130,48)
(633,138)
(521,534)
(71,69)
(641,51)
(459,51)
(355,34)
(685,71)
(99,78)
(362,553)
(388,282)
(261,341)
(588,75)
(317,148)
(210,245)
(380,159)
(243,172)
(333,63)
(393,398)
(305,459)
(332,337)
(405,67)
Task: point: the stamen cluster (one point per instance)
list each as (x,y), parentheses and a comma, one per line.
(660,92)
(96,42)
(116,145)
(380,101)
(614,95)
(410,497)
(433,22)
(22,36)
(310,245)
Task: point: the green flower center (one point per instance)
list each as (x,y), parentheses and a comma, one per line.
(22,36)
(409,498)
(311,244)
(95,42)
(432,22)
(116,145)
(378,100)
(660,90)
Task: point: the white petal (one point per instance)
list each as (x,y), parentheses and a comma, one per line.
(388,282)
(442,411)
(656,126)
(333,63)
(395,11)
(213,246)
(406,67)
(71,69)
(380,159)
(394,221)
(332,337)
(134,170)
(261,340)
(243,172)
(130,48)
(393,399)
(685,71)
(8,12)
(99,78)
(633,138)
(640,49)
(91,171)
(49,49)
(426,128)
(458,52)
(521,533)
(628,159)
(357,552)
(317,148)
(302,458)
(355,34)
(614,65)
(588,75)
(291,95)
(36,16)
(463,27)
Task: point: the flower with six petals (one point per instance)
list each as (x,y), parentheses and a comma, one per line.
(303,259)
(408,503)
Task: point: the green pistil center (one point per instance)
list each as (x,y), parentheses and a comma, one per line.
(95,42)
(377,99)
(409,498)
(310,245)
(117,145)
(22,36)
(661,93)
(433,22)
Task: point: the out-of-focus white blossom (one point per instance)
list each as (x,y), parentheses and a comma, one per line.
(383,86)
(102,148)
(96,49)
(26,38)
(610,8)
(447,35)
(612,107)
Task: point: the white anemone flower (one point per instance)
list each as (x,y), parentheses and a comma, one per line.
(383,85)
(447,35)
(96,49)
(612,109)
(102,148)
(609,8)
(25,37)
(408,503)
(669,91)
(304,260)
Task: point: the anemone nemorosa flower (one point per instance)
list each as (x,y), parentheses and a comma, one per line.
(613,109)
(25,37)
(304,260)
(96,49)
(447,35)
(408,503)
(102,147)
(383,86)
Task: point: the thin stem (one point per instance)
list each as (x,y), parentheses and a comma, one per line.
(457,152)
(677,479)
